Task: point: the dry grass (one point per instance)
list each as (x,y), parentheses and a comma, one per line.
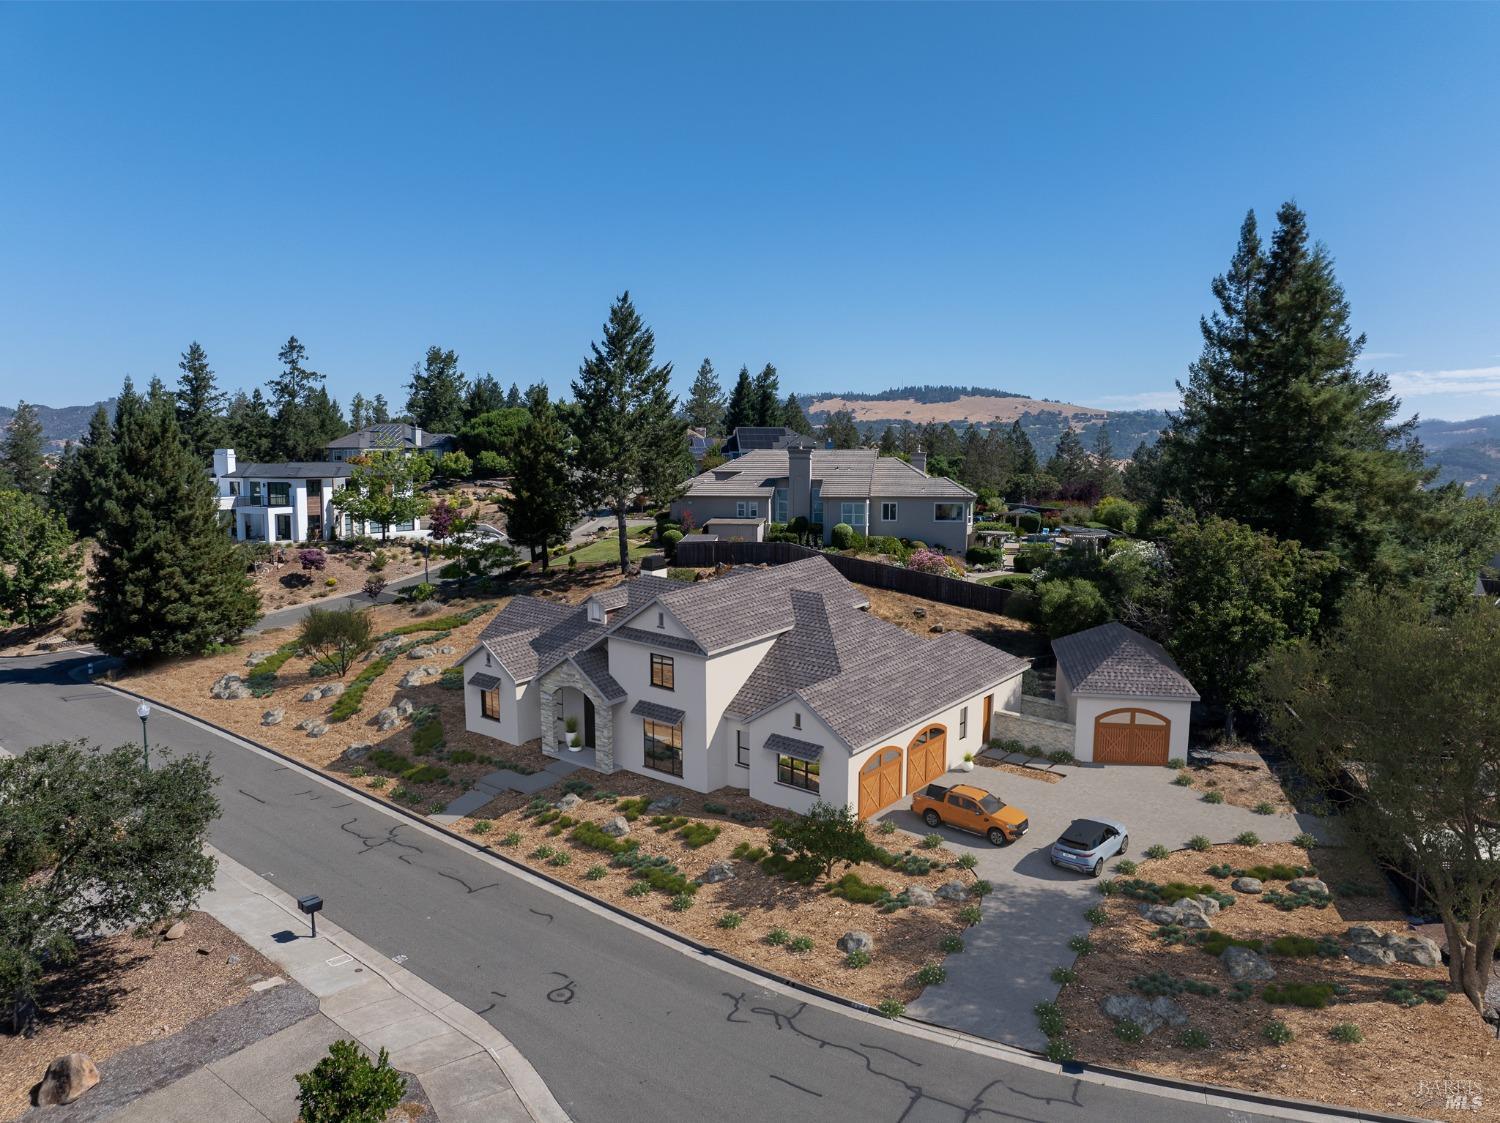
(125,991)
(1401,1049)
(979,408)
(1244,785)
(1003,632)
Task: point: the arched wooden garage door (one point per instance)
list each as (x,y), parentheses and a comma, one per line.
(879,781)
(1131,737)
(926,757)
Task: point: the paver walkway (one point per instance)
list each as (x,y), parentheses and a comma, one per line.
(501,780)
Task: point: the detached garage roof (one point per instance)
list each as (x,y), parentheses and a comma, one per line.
(1113,660)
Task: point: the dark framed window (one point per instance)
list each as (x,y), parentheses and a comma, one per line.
(663,747)
(741,749)
(948,512)
(663,673)
(963,723)
(796,773)
(489,703)
(279,495)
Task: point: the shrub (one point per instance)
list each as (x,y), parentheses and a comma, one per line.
(1061,756)
(1062,976)
(638,889)
(890,1008)
(681,902)
(1404,994)
(1182,780)
(1198,842)
(929,561)
(1175,764)
(857,958)
(1125,866)
(851,887)
(491,463)
(336,637)
(1346,1033)
(800,943)
(1117,514)
(513,838)
(1305,840)
(1128,1031)
(730,920)
(1070,604)
(454,465)
(825,835)
(1247,838)
(1277,1033)
(1157,851)
(427,738)
(931,841)
(931,974)
(669,540)
(951,944)
(970,915)
(1241,991)
(379,560)
(1159,983)
(541,852)
(886,827)
(715,809)
(1288,902)
(1049,1018)
(699,834)
(777,936)
(1214,942)
(1059,1050)
(984,555)
(1264,809)
(421,591)
(595,873)
(981,888)
(841,537)
(1095,915)
(347,1087)
(1312,996)
(1080,944)
(561,858)
(1213,797)
(1193,1039)
(373,586)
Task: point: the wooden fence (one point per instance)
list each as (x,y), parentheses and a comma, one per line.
(862,571)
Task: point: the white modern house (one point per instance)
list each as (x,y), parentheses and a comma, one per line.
(772,680)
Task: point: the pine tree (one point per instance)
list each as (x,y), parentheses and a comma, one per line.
(626,424)
(325,421)
(741,408)
(705,404)
(766,407)
(380,412)
(85,487)
(888,443)
(22,463)
(513,398)
(296,435)
(358,412)
(1071,467)
(1023,461)
(166,580)
(484,396)
(540,507)
(200,404)
(1106,474)
(250,429)
(793,417)
(435,397)
(41,566)
(840,431)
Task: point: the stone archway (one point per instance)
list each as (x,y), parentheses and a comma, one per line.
(553,687)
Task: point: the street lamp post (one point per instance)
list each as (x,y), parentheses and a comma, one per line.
(143,711)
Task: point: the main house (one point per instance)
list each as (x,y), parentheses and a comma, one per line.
(772,680)
(874,494)
(390,435)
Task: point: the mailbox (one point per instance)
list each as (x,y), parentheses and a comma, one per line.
(310,906)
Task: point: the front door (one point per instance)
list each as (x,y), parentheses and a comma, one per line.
(588,722)
(283,528)
(989,712)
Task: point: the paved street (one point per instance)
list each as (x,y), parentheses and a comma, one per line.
(621,1027)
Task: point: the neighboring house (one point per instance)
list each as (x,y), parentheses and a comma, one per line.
(391,435)
(772,680)
(699,442)
(754,438)
(295,501)
(874,494)
(1120,699)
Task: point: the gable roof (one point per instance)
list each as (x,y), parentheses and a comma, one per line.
(1116,661)
(291,470)
(392,434)
(855,473)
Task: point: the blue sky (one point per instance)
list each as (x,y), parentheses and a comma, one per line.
(1032,198)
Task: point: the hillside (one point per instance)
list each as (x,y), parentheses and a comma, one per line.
(1467,452)
(60,423)
(958,405)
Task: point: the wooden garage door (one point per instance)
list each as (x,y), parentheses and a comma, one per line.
(880,781)
(1131,737)
(926,757)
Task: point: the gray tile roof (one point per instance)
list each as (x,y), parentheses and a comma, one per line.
(391,434)
(790,746)
(594,663)
(1113,660)
(483,681)
(859,473)
(530,636)
(658,639)
(291,470)
(656,712)
(898,479)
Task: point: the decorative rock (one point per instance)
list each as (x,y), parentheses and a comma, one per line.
(447,649)
(1209,905)
(387,719)
(423,651)
(1364,934)
(313,695)
(568,802)
(273,717)
(617,827)
(1159,914)
(919,613)
(1374,954)
(305,722)
(1246,885)
(405,707)
(953,891)
(920,896)
(1148,1013)
(719,871)
(1307,885)
(419,676)
(333,690)
(67,1078)
(317,729)
(937,629)
(1191,914)
(232,960)
(856,941)
(1414,949)
(388,646)
(229,687)
(1246,964)
(175,931)
(665,803)
(358,751)
(256,658)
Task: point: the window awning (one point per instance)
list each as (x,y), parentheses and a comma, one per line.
(658,712)
(484,682)
(790,746)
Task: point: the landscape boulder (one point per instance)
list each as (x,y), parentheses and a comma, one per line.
(568,802)
(388,646)
(1307,885)
(1208,905)
(229,687)
(405,707)
(273,717)
(1244,964)
(953,891)
(175,931)
(665,803)
(1247,885)
(358,751)
(67,1078)
(447,649)
(718,871)
(388,719)
(856,941)
(421,651)
(1416,950)
(1373,954)
(256,658)
(1159,914)
(920,896)
(617,827)
(419,676)
(1148,1013)
(919,613)
(316,729)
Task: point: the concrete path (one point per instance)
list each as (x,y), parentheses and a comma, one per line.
(488,787)
(1006,967)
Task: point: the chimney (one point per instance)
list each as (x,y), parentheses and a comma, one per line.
(223,461)
(799,480)
(919,460)
(416,437)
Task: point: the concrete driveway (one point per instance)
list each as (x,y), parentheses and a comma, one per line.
(1006,966)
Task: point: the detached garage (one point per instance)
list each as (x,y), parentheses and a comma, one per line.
(1127,699)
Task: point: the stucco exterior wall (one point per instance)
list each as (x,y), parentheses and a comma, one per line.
(949,717)
(707,507)
(511,726)
(915,520)
(725,675)
(630,664)
(1090,706)
(833,780)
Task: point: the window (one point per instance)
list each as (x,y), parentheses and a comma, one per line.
(279,495)
(663,747)
(741,749)
(852,513)
(817,509)
(948,512)
(779,503)
(747,509)
(489,703)
(661,619)
(596,613)
(797,773)
(796,721)
(409,524)
(255,493)
(887,512)
(234,487)
(662,672)
(963,723)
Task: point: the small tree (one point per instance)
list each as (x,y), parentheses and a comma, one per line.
(347,1087)
(335,636)
(41,572)
(313,559)
(383,488)
(1070,604)
(491,464)
(826,835)
(93,842)
(455,466)
(374,585)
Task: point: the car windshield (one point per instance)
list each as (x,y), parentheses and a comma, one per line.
(991,803)
(1083,835)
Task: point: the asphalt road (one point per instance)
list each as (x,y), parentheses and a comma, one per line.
(623,1029)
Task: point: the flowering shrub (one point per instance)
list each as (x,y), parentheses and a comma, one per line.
(929,561)
(313,559)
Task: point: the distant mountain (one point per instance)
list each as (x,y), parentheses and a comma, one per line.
(1464,451)
(62,423)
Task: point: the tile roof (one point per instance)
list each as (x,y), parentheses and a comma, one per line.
(483,681)
(291,470)
(858,473)
(1114,660)
(658,639)
(389,434)
(530,635)
(656,712)
(895,477)
(790,746)
(594,663)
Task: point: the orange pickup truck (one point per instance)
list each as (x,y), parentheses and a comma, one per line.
(971,809)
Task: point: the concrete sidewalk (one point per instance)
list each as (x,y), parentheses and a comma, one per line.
(469,1071)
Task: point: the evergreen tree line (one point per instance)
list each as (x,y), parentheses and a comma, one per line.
(754,401)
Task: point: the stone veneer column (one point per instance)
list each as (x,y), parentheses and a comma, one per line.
(551,702)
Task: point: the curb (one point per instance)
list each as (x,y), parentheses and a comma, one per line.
(1212,1094)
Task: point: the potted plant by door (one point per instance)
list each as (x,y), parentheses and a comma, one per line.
(967,764)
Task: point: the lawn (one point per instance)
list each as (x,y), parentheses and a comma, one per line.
(604,551)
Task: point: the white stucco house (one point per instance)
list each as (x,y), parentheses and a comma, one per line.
(772,680)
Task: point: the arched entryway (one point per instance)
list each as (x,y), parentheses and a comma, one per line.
(1131,736)
(880,781)
(926,757)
